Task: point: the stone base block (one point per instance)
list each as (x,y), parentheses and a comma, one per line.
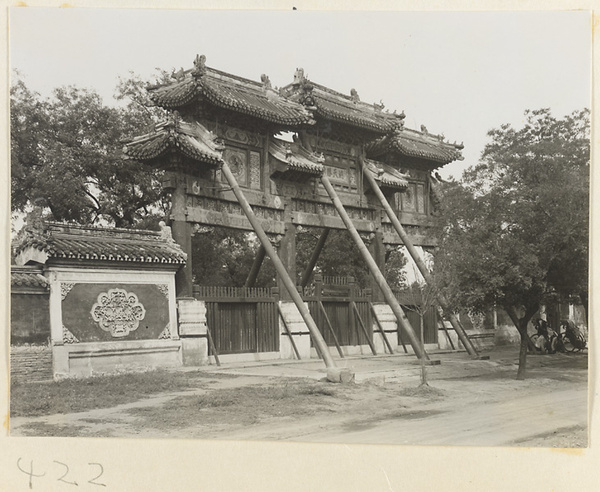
(194,351)
(340,375)
(95,358)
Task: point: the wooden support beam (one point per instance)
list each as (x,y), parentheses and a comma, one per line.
(328,323)
(289,333)
(314,258)
(441,321)
(363,327)
(254,271)
(418,260)
(385,338)
(375,271)
(286,280)
(212,346)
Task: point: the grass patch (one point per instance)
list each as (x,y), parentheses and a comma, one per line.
(423,391)
(43,429)
(78,395)
(243,405)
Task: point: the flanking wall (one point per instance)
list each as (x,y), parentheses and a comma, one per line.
(109,320)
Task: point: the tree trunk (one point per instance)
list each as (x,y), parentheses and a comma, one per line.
(521,324)
(422,359)
(585,300)
(522,327)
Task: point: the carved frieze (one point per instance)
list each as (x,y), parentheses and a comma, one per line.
(254,171)
(238,165)
(324,144)
(164,288)
(240,136)
(118,312)
(166,333)
(67,336)
(65,288)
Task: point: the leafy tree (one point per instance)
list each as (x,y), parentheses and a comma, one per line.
(223,257)
(66,155)
(341,257)
(514,232)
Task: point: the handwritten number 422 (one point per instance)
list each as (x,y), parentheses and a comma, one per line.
(99,471)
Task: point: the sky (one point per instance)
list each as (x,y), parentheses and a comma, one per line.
(458,73)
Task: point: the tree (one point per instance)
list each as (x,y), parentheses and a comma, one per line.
(66,155)
(514,232)
(223,257)
(341,257)
(423,297)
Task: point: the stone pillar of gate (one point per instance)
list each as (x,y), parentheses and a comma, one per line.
(181,229)
(287,254)
(377,250)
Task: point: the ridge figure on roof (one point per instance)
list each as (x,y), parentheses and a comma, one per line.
(199,66)
(354,96)
(299,77)
(179,75)
(266,82)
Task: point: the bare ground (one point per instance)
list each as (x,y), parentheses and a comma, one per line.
(467,403)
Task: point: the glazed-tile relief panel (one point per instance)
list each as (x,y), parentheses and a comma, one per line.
(113,312)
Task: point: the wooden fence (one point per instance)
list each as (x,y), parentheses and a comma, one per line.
(241,319)
(341,310)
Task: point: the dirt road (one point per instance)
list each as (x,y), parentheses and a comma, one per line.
(475,403)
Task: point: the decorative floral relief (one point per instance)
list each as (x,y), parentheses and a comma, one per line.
(118,312)
(166,333)
(164,288)
(65,288)
(67,336)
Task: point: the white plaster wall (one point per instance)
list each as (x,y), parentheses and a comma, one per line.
(389,323)
(300,332)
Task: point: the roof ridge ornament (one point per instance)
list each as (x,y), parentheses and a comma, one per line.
(199,66)
(299,77)
(379,107)
(179,75)
(354,96)
(424,130)
(172,122)
(398,121)
(165,232)
(266,82)
(306,89)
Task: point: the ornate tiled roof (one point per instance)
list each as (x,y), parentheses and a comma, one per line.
(230,92)
(295,160)
(386,176)
(413,143)
(191,139)
(339,107)
(27,277)
(65,241)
